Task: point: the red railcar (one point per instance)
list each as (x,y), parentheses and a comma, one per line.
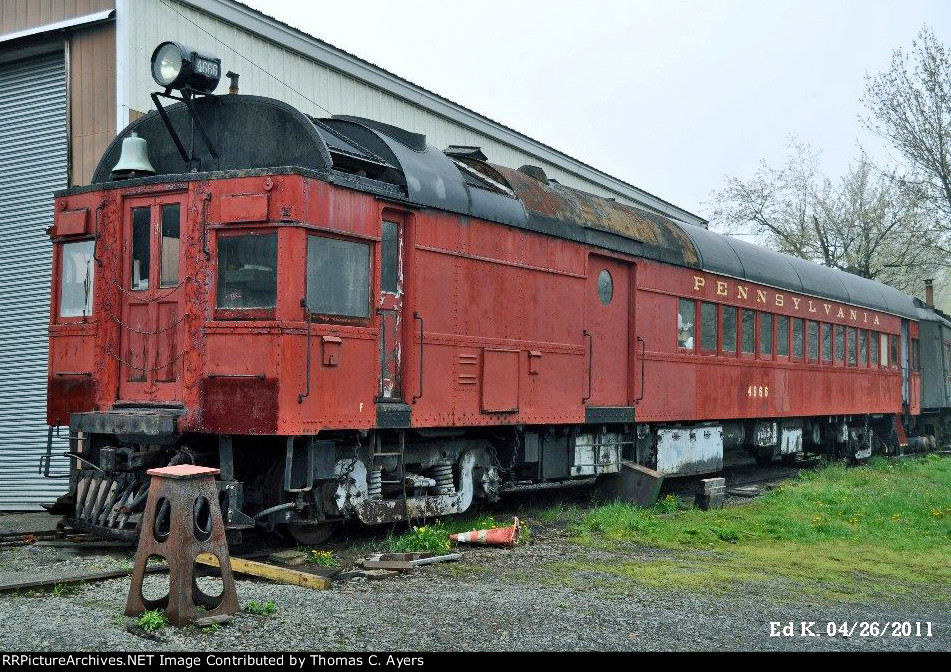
(350,323)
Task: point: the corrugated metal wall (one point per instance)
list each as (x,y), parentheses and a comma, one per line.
(32,165)
(154,21)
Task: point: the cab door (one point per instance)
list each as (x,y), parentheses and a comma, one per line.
(152,304)
(390,310)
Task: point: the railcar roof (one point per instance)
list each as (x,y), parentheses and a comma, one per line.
(251,132)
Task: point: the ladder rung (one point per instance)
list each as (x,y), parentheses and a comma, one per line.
(385,454)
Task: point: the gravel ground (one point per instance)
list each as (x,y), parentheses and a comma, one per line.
(496,599)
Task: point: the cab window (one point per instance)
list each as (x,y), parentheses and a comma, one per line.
(76,277)
(338,277)
(247,271)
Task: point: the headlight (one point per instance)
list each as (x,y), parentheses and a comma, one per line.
(167,64)
(176,66)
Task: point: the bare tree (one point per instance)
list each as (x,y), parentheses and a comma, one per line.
(866,223)
(910,106)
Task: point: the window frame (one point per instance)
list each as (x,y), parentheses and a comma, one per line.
(374,279)
(261,314)
(788,356)
(760,314)
(826,329)
(716,331)
(810,341)
(721,323)
(58,259)
(741,323)
(792,350)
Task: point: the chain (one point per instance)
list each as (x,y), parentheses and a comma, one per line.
(140,331)
(152,369)
(138,292)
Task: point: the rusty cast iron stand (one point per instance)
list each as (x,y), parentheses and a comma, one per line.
(182,519)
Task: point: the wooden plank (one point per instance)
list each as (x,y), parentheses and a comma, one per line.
(270,572)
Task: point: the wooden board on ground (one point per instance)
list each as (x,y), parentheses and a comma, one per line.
(51,581)
(270,572)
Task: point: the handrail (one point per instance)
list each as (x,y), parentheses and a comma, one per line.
(95,240)
(301,397)
(417,397)
(643,352)
(587,334)
(205,198)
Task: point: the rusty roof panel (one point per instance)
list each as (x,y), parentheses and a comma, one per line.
(660,237)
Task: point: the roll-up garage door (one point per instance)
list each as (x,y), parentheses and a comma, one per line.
(33,156)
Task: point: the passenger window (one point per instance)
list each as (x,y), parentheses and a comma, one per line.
(76,278)
(729,329)
(782,336)
(708,327)
(813,336)
(390,259)
(766,334)
(247,271)
(338,277)
(915,355)
(884,349)
(686,323)
(748,342)
(895,352)
(839,344)
(826,342)
(171,226)
(141,229)
(797,338)
(873,342)
(850,338)
(863,347)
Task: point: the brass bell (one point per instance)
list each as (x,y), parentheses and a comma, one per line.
(134,161)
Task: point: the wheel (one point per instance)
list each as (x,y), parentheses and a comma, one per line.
(312,534)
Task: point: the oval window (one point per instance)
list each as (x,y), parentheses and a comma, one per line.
(605,287)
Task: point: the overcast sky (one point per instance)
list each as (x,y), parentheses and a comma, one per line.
(669,96)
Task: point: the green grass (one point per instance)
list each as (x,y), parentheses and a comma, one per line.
(883,530)
(321,558)
(434,538)
(150,621)
(261,608)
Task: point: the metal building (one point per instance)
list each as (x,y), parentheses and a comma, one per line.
(73,71)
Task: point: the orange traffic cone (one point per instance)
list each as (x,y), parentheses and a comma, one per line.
(496,536)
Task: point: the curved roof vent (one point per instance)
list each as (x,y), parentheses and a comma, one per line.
(534,171)
(465,152)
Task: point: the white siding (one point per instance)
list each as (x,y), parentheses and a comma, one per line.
(323,91)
